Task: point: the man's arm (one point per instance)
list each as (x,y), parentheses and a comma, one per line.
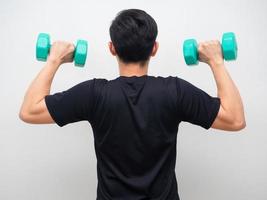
(231,113)
(33,109)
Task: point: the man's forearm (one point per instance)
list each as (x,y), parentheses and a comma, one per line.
(228,92)
(40,86)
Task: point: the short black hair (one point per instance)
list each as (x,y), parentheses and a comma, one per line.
(133,33)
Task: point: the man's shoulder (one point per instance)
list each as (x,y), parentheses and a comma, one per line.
(166,79)
(170,77)
(98,81)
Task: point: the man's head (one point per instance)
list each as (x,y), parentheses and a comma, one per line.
(133,34)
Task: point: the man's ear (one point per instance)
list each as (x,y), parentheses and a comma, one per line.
(112,49)
(155,48)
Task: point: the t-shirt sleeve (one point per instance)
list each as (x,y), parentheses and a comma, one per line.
(73,105)
(196,106)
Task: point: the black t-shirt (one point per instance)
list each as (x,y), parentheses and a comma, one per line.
(135,123)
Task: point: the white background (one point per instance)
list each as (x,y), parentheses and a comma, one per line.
(45,162)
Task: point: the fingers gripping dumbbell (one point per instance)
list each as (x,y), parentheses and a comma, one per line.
(43,46)
(229,49)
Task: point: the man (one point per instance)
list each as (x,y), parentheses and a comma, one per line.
(135,117)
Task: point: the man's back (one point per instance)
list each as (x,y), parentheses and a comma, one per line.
(135,131)
(135,122)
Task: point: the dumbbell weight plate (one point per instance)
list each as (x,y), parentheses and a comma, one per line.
(229,46)
(190,52)
(42,46)
(80,53)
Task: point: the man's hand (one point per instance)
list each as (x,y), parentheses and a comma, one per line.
(61,52)
(210,52)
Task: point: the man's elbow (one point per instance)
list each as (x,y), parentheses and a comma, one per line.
(25,116)
(239,125)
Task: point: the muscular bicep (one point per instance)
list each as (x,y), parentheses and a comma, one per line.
(38,114)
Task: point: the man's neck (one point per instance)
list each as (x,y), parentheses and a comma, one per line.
(133,69)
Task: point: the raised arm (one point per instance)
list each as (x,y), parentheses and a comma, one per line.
(231,114)
(33,108)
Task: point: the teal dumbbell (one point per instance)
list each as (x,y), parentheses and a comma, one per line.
(43,46)
(229,49)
